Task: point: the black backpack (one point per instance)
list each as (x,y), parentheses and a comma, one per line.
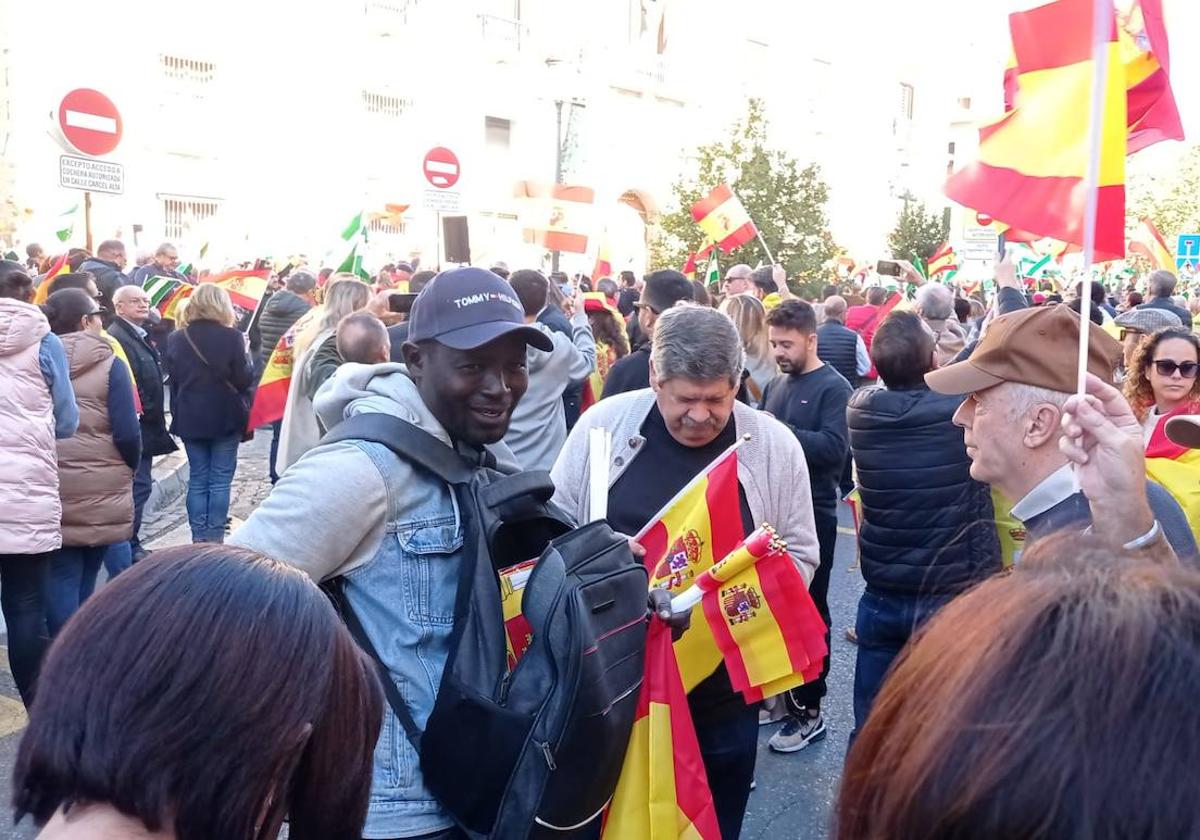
(544,744)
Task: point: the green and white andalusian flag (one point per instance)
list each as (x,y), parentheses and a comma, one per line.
(712,277)
(65,228)
(347,257)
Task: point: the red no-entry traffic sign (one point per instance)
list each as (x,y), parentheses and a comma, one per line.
(90,122)
(441,168)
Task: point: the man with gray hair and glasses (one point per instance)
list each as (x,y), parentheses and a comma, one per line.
(663,437)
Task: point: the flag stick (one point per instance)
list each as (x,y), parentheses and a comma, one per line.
(687,487)
(763,242)
(1102,21)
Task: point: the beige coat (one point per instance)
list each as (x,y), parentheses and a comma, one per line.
(95,483)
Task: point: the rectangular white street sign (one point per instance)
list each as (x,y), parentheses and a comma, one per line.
(80,173)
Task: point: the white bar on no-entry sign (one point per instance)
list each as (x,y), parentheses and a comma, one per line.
(93,122)
(438,166)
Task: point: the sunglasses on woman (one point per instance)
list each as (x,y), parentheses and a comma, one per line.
(1167,367)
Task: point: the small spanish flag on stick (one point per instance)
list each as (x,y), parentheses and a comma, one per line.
(763,619)
(723,219)
(1148,242)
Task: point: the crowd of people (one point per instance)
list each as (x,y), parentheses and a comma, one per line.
(1026,642)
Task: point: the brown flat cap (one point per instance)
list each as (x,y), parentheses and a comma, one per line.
(1038,346)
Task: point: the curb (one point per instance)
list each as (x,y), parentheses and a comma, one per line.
(170,483)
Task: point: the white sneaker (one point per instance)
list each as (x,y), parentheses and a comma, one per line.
(773,711)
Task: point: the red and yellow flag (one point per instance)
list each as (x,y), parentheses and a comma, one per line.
(246,288)
(270,398)
(699,527)
(556,216)
(943,259)
(1175,467)
(603,266)
(764,621)
(59,266)
(1152,113)
(723,219)
(1033,161)
(1148,242)
(663,791)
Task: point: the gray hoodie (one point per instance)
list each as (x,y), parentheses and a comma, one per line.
(327,515)
(539,425)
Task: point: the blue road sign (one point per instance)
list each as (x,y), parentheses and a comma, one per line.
(1188,252)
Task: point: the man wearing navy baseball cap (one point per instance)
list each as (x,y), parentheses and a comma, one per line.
(354,509)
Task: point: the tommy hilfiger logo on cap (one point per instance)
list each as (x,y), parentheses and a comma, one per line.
(484,297)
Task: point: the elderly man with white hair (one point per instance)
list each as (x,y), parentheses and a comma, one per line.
(935,305)
(662,438)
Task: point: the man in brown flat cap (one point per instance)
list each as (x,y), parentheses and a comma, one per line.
(1017,381)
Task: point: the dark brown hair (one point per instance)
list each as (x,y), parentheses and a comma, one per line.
(902,350)
(1138,389)
(207,690)
(1054,702)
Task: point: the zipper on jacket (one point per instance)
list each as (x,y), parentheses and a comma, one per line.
(548,755)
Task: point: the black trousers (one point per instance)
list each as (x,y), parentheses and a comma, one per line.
(729,748)
(809,695)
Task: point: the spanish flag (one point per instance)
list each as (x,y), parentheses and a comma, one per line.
(701,525)
(603,266)
(270,398)
(246,288)
(1153,115)
(663,791)
(689,267)
(59,266)
(556,217)
(763,619)
(723,219)
(943,259)
(1175,467)
(1148,242)
(1033,161)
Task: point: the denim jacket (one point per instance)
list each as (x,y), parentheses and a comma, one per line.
(355,509)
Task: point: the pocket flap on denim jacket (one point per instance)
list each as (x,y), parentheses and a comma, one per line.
(439,536)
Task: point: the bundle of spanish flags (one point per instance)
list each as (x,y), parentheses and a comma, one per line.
(1032,168)
(758,619)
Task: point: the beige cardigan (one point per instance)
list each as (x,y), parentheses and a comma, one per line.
(771,469)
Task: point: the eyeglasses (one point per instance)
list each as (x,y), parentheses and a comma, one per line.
(1167,367)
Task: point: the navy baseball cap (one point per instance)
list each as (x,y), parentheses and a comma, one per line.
(466,308)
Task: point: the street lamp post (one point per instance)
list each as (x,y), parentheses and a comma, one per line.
(558,163)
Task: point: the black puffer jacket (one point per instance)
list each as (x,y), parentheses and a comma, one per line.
(280,311)
(927,527)
(109,278)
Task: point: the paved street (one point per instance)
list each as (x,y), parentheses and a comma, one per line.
(795,792)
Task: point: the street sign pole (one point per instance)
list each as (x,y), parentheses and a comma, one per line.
(438,255)
(87,219)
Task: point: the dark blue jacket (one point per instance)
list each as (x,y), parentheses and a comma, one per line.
(212,400)
(927,527)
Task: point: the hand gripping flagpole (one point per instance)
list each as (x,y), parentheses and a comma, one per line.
(1102,22)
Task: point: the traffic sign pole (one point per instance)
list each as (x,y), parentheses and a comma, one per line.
(87,219)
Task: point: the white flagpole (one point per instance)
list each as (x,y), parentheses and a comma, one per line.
(763,242)
(1102,22)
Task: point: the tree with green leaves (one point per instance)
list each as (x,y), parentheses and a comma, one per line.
(785,200)
(1168,198)
(918,233)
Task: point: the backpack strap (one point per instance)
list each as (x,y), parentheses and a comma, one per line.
(409,442)
(335,588)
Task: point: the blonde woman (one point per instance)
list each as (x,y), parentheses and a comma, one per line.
(211,385)
(750,317)
(313,365)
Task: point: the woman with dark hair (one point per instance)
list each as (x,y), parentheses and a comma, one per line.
(612,344)
(206,694)
(1163,380)
(96,464)
(1055,702)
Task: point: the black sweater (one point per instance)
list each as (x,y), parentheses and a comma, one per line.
(813,406)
